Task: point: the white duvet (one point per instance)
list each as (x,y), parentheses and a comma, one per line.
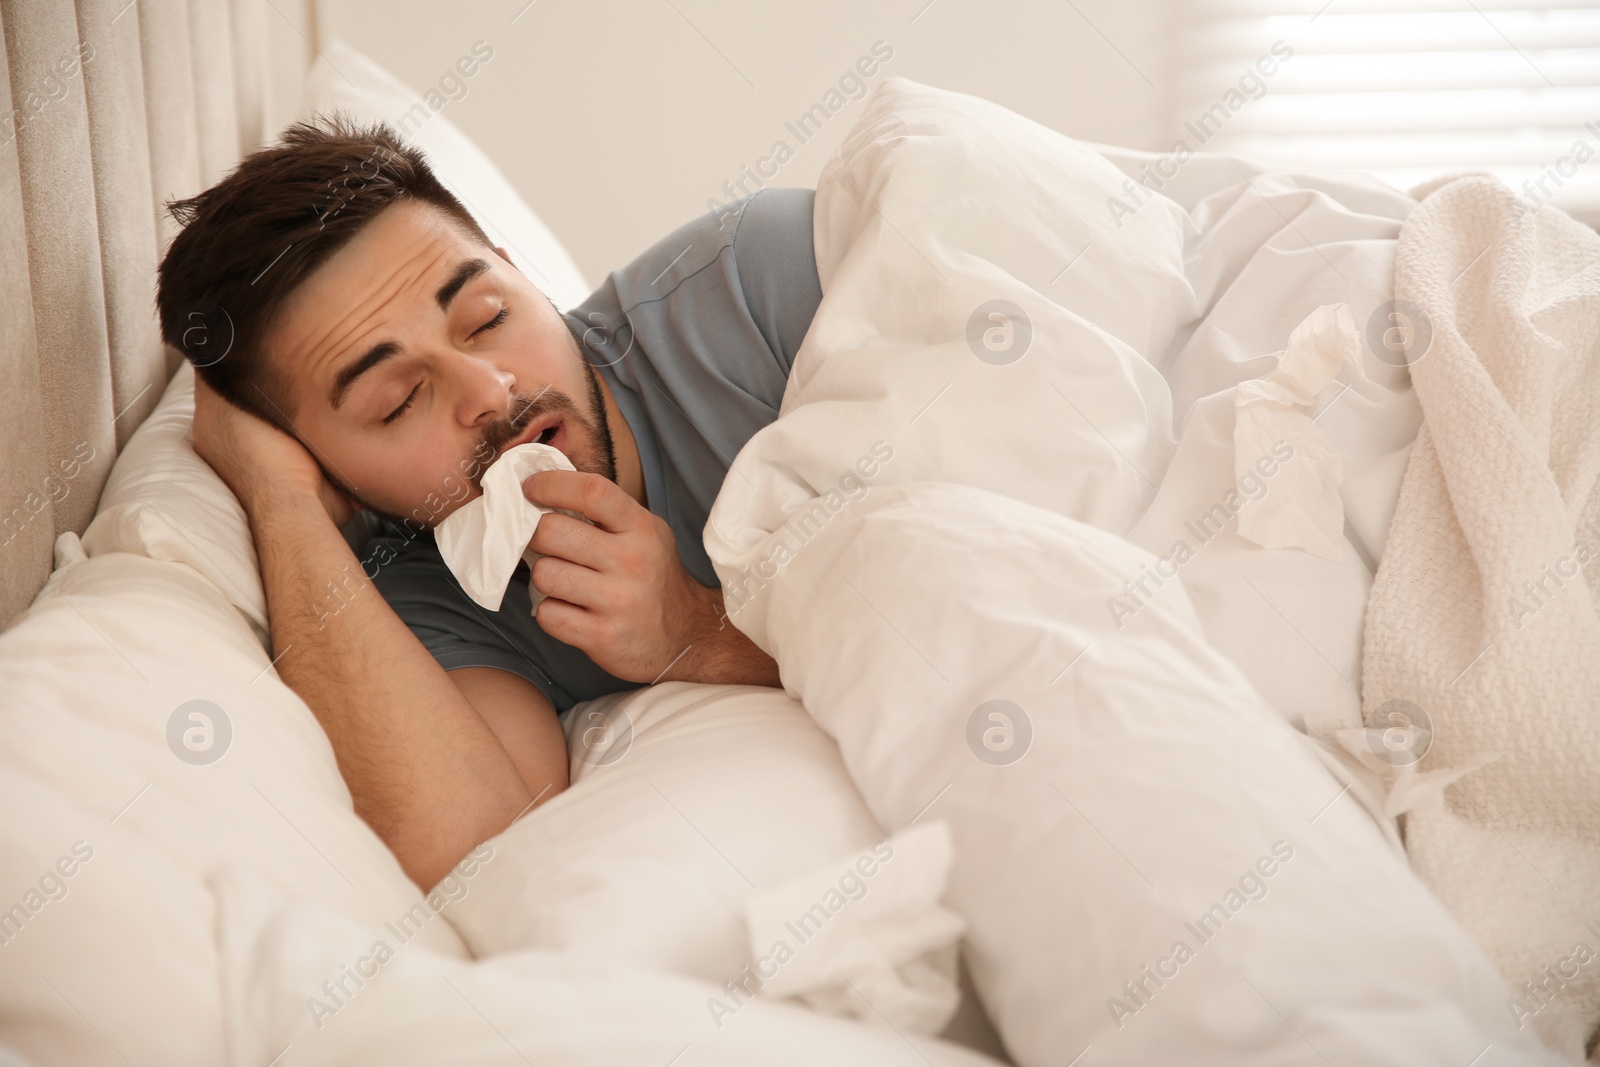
(1152,864)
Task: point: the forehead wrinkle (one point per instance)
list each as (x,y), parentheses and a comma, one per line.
(337,339)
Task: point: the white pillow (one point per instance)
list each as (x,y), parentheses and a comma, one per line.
(165,502)
(689,802)
(345,79)
(685,800)
(420,1008)
(111,833)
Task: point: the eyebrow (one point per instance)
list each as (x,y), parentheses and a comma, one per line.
(384,350)
(463,274)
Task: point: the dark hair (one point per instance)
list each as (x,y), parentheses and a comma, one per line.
(251,239)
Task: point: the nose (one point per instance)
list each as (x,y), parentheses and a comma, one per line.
(485,391)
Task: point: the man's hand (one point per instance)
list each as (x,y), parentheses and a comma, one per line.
(251,455)
(618,591)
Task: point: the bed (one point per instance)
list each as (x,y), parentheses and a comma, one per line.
(1175,536)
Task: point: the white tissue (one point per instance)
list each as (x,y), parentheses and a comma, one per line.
(1301,508)
(1407,788)
(483,540)
(872,946)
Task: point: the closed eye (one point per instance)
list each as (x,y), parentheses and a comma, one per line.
(500,317)
(401,410)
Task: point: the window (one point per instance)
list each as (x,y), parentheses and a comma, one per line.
(1406,89)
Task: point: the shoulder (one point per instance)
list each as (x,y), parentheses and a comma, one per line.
(744,239)
(746,266)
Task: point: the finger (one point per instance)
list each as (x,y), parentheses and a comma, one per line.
(571,582)
(575,540)
(597,498)
(566,622)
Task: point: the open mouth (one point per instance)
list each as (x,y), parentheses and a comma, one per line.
(549,434)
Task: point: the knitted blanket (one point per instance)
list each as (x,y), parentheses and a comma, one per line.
(1482,632)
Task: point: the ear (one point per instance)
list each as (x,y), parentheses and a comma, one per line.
(504,254)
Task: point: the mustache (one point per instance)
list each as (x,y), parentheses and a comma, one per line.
(526,407)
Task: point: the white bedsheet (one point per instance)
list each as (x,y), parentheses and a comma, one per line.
(1268,247)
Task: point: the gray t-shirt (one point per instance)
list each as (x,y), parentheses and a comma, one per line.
(695,339)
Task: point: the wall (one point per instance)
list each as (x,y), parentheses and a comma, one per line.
(290,26)
(619,120)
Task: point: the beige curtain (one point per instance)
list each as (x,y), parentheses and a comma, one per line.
(107,109)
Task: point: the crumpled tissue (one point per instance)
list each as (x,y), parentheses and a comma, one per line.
(484,539)
(865,936)
(1386,750)
(1301,508)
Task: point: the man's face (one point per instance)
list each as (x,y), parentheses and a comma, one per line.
(416,355)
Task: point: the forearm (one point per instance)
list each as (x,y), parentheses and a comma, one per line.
(423,768)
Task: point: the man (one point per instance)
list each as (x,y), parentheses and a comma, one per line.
(359,342)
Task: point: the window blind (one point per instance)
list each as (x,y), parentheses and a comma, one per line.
(1404,89)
